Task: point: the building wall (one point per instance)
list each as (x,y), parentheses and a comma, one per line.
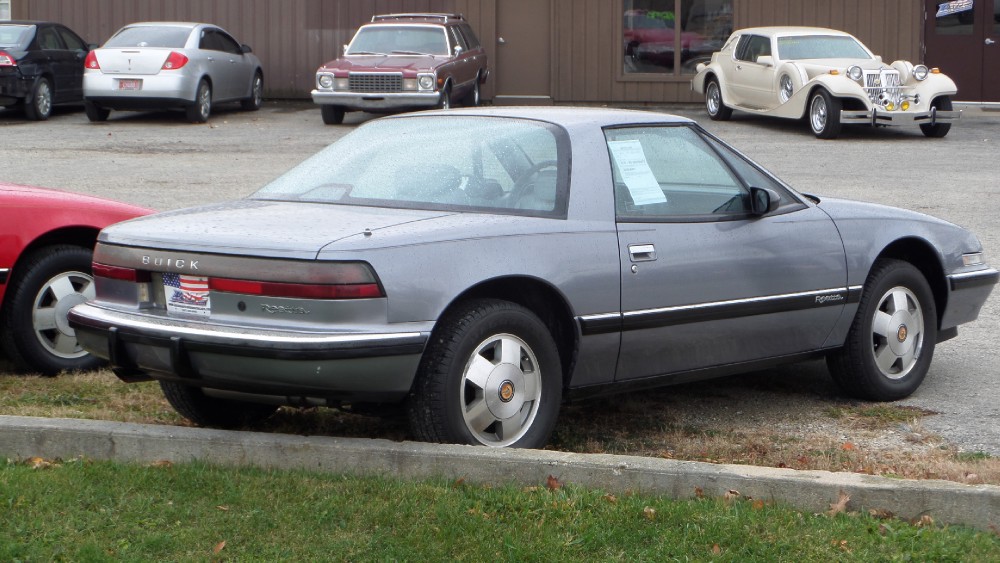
(293,37)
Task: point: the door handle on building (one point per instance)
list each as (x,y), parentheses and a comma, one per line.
(989,41)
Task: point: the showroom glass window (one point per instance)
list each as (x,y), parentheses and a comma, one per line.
(4,10)
(670,37)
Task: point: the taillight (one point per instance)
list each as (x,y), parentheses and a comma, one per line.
(119,273)
(297,290)
(174,61)
(91,61)
(6,59)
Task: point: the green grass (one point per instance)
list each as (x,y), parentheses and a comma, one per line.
(94,511)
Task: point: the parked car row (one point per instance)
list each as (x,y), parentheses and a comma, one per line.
(143,66)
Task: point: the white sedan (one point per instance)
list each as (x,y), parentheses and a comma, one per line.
(826,75)
(156,65)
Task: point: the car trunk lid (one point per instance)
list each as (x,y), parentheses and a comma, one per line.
(132,61)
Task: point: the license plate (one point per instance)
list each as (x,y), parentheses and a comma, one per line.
(129,84)
(186,295)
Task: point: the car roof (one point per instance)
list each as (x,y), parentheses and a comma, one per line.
(790,30)
(565,117)
(190,25)
(419,18)
(26,22)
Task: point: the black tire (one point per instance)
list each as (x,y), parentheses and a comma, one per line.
(332,115)
(445,101)
(199,110)
(824,115)
(716,108)
(896,322)
(95,113)
(38,106)
(193,404)
(473,98)
(938,130)
(256,98)
(50,346)
(517,404)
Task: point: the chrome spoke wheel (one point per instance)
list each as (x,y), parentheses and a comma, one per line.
(713,98)
(43,98)
(501,390)
(51,305)
(785,88)
(818,113)
(897,332)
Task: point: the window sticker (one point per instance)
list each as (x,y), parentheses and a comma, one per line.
(635,172)
(948,8)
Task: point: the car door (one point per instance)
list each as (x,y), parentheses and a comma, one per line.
(76,51)
(706,282)
(751,82)
(56,59)
(224,61)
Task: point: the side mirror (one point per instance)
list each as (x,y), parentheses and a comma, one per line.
(763,201)
(766,60)
(458,50)
(245,48)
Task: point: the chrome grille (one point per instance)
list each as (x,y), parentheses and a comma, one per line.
(375,82)
(883,86)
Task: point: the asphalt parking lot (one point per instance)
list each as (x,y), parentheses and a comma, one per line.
(161,161)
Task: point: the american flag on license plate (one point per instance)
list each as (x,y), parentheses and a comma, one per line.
(190,289)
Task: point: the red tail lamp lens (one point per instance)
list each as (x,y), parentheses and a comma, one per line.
(297,290)
(91,61)
(174,61)
(6,59)
(119,273)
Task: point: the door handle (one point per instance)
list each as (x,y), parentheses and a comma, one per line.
(501,40)
(642,252)
(989,41)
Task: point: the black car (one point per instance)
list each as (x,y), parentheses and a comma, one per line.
(41,64)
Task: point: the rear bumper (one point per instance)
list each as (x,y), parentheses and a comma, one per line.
(13,88)
(878,116)
(329,365)
(157,91)
(377,101)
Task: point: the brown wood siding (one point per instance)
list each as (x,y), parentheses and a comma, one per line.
(293,37)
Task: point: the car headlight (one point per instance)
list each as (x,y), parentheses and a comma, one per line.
(855,73)
(920,72)
(325,81)
(425,81)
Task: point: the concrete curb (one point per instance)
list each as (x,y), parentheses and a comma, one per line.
(811,491)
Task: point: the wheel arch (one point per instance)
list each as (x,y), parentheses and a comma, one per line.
(542,299)
(84,237)
(922,255)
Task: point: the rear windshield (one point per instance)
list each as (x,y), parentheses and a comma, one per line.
(399,39)
(820,47)
(150,36)
(16,35)
(464,163)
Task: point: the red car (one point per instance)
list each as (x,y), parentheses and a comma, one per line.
(46,240)
(403,61)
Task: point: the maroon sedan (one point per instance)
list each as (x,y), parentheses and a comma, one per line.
(400,62)
(46,240)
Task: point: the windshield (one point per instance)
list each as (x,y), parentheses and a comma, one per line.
(820,47)
(169,37)
(463,163)
(16,35)
(399,39)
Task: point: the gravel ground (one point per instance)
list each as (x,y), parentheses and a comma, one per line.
(160,161)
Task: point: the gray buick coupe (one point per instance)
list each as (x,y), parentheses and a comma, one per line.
(475,267)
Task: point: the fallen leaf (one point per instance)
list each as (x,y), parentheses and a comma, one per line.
(460,481)
(219,547)
(758,505)
(847,446)
(529,489)
(840,505)
(731,495)
(162,463)
(610,498)
(924,521)
(699,492)
(223,508)
(552,483)
(716,550)
(881,514)
(38,463)
(649,513)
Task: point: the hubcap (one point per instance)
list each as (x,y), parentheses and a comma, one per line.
(897,333)
(205,102)
(818,114)
(786,87)
(43,100)
(49,314)
(714,98)
(258,91)
(501,390)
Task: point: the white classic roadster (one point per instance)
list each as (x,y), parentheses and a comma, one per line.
(826,75)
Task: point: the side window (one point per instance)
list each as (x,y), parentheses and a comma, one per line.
(669,173)
(210,40)
(228,44)
(753,46)
(48,39)
(457,39)
(73,43)
(470,37)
